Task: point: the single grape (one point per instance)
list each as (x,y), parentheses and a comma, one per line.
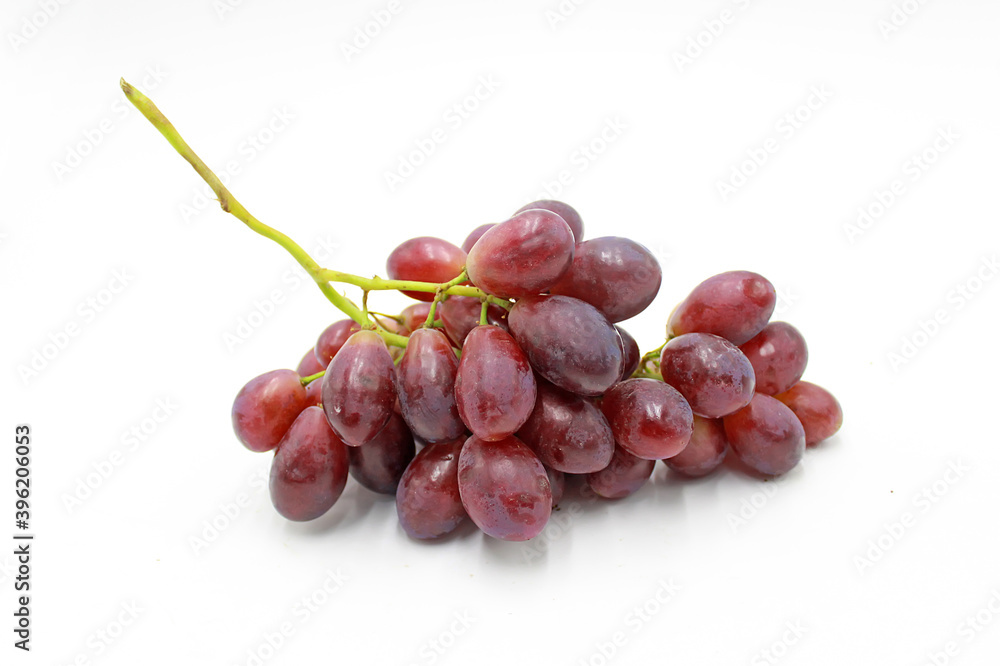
(705,451)
(461,314)
(359,388)
(266,407)
(425,259)
(569,342)
(710,372)
(309,470)
(778,355)
(427,499)
(565,211)
(476,234)
(309,365)
(415,316)
(567,432)
(817,410)
(426,382)
(734,305)
(314,392)
(631,356)
(766,436)
(616,275)
(649,419)
(624,475)
(379,464)
(557,482)
(495,388)
(332,339)
(525,255)
(504,488)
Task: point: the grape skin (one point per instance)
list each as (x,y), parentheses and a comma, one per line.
(426,384)
(359,388)
(649,419)
(778,355)
(428,502)
(379,464)
(557,482)
(332,339)
(425,259)
(563,210)
(766,436)
(623,476)
(734,305)
(631,355)
(461,314)
(816,408)
(710,372)
(705,452)
(266,407)
(476,234)
(309,365)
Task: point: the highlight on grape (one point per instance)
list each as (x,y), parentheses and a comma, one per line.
(510,375)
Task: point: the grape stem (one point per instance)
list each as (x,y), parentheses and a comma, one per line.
(311,378)
(440,295)
(483,319)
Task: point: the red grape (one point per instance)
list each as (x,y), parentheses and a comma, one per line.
(461,314)
(816,408)
(504,488)
(333,338)
(710,372)
(565,211)
(631,356)
(495,388)
(266,407)
(616,275)
(766,436)
(567,432)
(426,382)
(476,234)
(649,419)
(705,451)
(778,355)
(427,499)
(359,388)
(525,255)
(622,477)
(557,482)
(309,365)
(379,464)
(415,316)
(314,392)
(734,305)
(309,470)
(425,259)
(569,342)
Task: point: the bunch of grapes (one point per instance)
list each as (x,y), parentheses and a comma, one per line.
(484,403)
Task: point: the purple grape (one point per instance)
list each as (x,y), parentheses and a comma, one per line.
(332,339)
(426,382)
(705,451)
(624,475)
(309,470)
(525,255)
(734,305)
(427,499)
(461,314)
(817,410)
(557,482)
(631,356)
(565,211)
(569,342)
(379,464)
(649,419)
(495,388)
(710,372)
(616,275)
(359,388)
(425,259)
(266,407)
(504,488)
(766,436)
(567,432)
(778,355)
(476,234)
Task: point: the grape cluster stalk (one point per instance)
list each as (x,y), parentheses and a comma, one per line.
(511,373)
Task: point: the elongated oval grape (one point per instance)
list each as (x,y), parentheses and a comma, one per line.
(333,338)
(427,499)
(504,488)
(525,255)
(426,383)
(766,436)
(563,210)
(460,314)
(778,355)
(649,419)
(557,482)
(631,356)
(266,407)
(425,259)
(569,342)
(475,235)
(616,275)
(309,365)
(359,388)
(734,305)
(309,470)
(705,452)
(817,410)
(567,432)
(379,464)
(624,475)
(711,373)
(495,388)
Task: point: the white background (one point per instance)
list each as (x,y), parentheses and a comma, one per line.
(824,550)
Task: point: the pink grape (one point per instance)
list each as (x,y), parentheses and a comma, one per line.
(332,339)
(309,470)
(649,419)
(425,259)
(623,476)
(631,355)
(705,451)
(460,314)
(379,464)
(476,234)
(563,210)
(266,407)
(309,365)
(778,355)
(426,382)
(734,305)
(710,372)
(427,499)
(359,388)
(766,436)
(816,408)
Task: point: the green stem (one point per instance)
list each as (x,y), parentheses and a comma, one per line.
(483,319)
(380,284)
(311,378)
